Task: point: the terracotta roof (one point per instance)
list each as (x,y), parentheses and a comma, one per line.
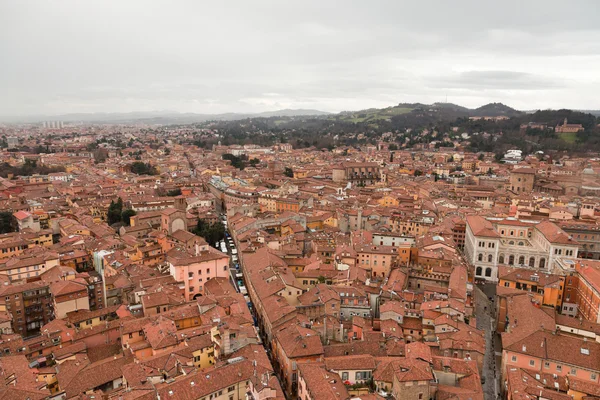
(321,384)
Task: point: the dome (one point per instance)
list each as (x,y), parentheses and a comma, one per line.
(589,171)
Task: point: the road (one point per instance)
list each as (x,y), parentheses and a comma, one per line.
(485,321)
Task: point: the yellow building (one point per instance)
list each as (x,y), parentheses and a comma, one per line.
(546,289)
(388,201)
(204,355)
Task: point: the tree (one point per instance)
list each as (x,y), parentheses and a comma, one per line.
(418,172)
(392,147)
(288,172)
(126,216)
(236,162)
(212,233)
(6,222)
(174,192)
(141,168)
(481,157)
(254,162)
(167,151)
(115,212)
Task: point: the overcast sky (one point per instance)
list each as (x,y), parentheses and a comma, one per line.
(245,56)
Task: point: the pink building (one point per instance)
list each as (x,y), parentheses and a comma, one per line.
(193,270)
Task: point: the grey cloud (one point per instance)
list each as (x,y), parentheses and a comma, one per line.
(141,55)
(507,80)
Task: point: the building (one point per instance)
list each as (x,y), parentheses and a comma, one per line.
(26,220)
(497,241)
(546,289)
(68,296)
(545,352)
(30,305)
(193,270)
(317,383)
(582,288)
(294,345)
(521,180)
(568,128)
(357,173)
(28,265)
(587,235)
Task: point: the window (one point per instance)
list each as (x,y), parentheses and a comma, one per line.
(593,376)
(514,359)
(344,376)
(489,258)
(573,371)
(532,363)
(480,257)
(559,367)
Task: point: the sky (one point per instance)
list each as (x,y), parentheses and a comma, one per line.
(73,56)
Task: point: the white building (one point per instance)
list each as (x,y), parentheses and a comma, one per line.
(490,242)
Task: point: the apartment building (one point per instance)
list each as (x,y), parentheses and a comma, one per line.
(30,305)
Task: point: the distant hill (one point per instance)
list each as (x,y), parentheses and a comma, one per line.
(495,110)
(593,112)
(444,111)
(159,117)
(452,107)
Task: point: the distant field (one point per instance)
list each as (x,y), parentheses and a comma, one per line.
(374,115)
(569,137)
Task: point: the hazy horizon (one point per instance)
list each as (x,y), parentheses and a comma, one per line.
(72,57)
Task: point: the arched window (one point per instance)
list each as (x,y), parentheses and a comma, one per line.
(511,260)
(501,259)
(478,271)
(480,257)
(521,244)
(489,258)
(542,262)
(532,262)
(488,272)
(522,260)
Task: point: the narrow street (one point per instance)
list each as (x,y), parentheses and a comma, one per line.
(486,322)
